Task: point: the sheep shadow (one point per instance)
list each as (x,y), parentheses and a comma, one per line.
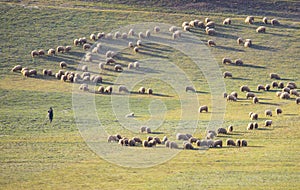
(286,79)
(157,132)
(152,46)
(265,129)
(229,48)
(122,58)
(201,92)
(253,66)
(228,36)
(264,48)
(152,54)
(269,103)
(76,54)
(239,78)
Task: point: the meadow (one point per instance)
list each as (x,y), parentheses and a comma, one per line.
(36,154)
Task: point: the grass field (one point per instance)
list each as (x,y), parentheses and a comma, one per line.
(35,155)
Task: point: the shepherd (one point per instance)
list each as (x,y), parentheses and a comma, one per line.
(50,114)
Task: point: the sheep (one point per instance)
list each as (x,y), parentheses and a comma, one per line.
(285,89)
(141,35)
(292,84)
(77,75)
(250,95)
(211,43)
(188,146)
(156,29)
(34,53)
(210,31)
(278,94)
(231,98)
(145,143)
(32,72)
(181,136)
(149,91)
(221,131)
(227,74)
(82,40)
(117,35)
(278,111)
(260,87)
(239,62)
(268,123)
(244,142)
(245,88)
(157,140)
(281,85)
(101,89)
(173,145)
(131,142)
(93,37)
(201,143)
(217,143)
(200,24)
(131,32)
(193,140)
(239,41)
(25,73)
(164,140)
(261,29)
(68,48)
(294,92)
(76,42)
(227,21)
(63,64)
(100,35)
(97,79)
(143,129)
(16,68)
(275,22)
(86,46)
(268,113)
(130,44)
(230,128)
(84,87)
(210,24)
(249,20)
(265,20)
(136,64)
(112,138)
(108,89)
(86,78)
(109,36)
(254,116)
(249,41)
(235,94)
(176,34)
(167,144)
(173,29)
(45,72)
(123,89)
(238,142)
(274,84)
(192,23)
(297,100)
(247,44)
(96,50)
(124,36)
(139,43)
(186,28)
(118,68)
(41,52)
(274,76)
(142,90)
(285,95)
(137,140)
(101,65)
(149,138)
(84,68)
(185,24)
(211,134)
(60,49)
(51,52)
(250,126)
(226,61)
(230,142)
(225,95)
(136,49)
(190,88)
(255,125)
(255,100)
(267,87)
(130,65)
(130,114)
(203,108)
(110,60)
(148,33)
(85,74)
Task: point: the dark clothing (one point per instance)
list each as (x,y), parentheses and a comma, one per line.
(50,114)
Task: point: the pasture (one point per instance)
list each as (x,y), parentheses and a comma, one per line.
(38,155)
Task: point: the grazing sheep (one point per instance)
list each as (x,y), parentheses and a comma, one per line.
(93,37)
(230,128)
(231,98)
(247,44)
(201,143)
(123,89)
(136,64)
(173,145)
(45,72)
(239,62)
(136,49)
(32,72)
(203,108)
(86,46)
(267,87)
(145,143)
(193,140)
(76,42)
(84,87)
(100,89)
(185,24)
(281,85)
(84,68)
(294,92)
(101,65)
(227,74)
(34,53)
(164,140)
(25,73)
(130,114)
(109,36)
(100,35)
(268,113)
(210,24)
(51,52)
(254,116)
(142,90)
(117,35)
(292,84)
(108,89)
(278,111)
(181,136)
(274,76)
(285,89)
(118,68)
(260,87)
(250,95)
(41,52)
(275,22)
(278,94)
(149,91)
(139,43)
(238,142)
(249,20)
(131,32)
(255,100)
(298,100)
(124,36)
(211,135)
(285,95)
(110,60)
(249,41)
(274,84)
(245,88)
(211,43)
(97,79)
(210,143)
(250,126)
(137,140)
(63,64)
(188,146)
(121,142)
(82,40)
(226,61)
(60,49)
(130,65)
(167,144)
(268,123)
(130,44)
(217,143)
(109,54)
(148,130)
(210,31)
(112,138)
(173,29)
(186,28)
(235,94)
(190,88)
(16,68)
(239,41)
(221,131)
(244,143)
(68,48)
(156,29)
(141,35)
(265,20)
(255,125)
(225,95)
(148,33)
(86,79)
(157,140)
(143,129)
(261,29)
(227,21)
(131,142)
(230,142)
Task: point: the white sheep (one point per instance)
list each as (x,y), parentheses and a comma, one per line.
(227,74)
(156,29)
(211,43)
(244,88)
(108,89)
(173,145)
(227,21)
(118,68)
(221,131)
(250,95)
(142,90)
(131,32)
(230,128)
(268,123)
(265,20)
(274,76)
(250,126)
(123,89)
(261,29)
(181,136)
(230,142)
(16,68)
(244,142)
(297,100)
(217,143)
(268,113)
(231,97)
(190,88)
(275,22)
(255,100)
(203,108)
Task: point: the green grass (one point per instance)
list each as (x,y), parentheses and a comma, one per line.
(36,155)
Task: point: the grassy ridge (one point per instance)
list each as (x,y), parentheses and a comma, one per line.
(34,155)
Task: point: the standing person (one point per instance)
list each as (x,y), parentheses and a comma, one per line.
(50,114)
